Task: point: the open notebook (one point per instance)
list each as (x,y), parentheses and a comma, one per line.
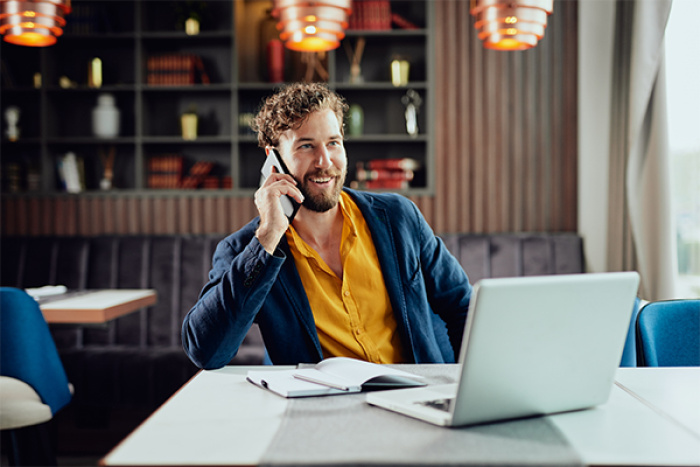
(337,375)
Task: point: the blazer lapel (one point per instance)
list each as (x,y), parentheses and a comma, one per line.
(379,224)
(290,282)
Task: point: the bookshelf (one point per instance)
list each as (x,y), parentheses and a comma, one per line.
(55,114)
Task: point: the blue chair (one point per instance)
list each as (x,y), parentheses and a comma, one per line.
(668,333)
(33,382)
(629,353)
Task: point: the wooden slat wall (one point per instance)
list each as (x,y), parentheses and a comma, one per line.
(506,140)
(102,215)
(505,149)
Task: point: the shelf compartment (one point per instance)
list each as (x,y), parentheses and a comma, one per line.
(214,16)
(218,155)
(21,168)
(29,105)
(72,58)
(215,57)
(100,18)
(161,114)
(384,113)
(70,115)
(124,165)
(25,62)
(365,151)
(383,50)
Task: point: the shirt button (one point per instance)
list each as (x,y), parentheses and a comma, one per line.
(346,293)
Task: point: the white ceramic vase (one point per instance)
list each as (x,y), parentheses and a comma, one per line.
(105,117)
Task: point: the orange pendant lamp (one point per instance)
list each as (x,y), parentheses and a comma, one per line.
(34,23)
(312,26)
(511,24)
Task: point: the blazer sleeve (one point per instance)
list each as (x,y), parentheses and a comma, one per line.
(239,281)
(447,285)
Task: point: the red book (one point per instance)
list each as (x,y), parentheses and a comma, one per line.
(197,174)
(384,174)
(380,185)
(402,22)
(175,70)
(405,163)
(383,12)
(211,182)
(164,171)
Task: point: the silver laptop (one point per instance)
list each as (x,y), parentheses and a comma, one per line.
(531,346)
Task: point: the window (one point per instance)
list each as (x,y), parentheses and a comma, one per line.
(683,94)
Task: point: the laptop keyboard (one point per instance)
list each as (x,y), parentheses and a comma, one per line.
(440,404)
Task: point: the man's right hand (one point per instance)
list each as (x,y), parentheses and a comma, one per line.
(273,222)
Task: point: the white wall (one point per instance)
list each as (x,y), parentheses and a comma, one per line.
(596,21)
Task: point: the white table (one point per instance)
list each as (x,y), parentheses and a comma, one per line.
(628,431)
(96,306)
(220,419)
(680,401)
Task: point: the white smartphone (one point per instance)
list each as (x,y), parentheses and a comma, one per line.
(273,159)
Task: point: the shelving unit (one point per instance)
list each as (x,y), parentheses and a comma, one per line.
(124,34)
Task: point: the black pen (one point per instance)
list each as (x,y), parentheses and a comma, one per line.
(323,383)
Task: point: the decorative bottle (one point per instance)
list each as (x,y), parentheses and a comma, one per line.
(105,117)
(356,120)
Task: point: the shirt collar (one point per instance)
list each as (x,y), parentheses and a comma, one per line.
(349,227)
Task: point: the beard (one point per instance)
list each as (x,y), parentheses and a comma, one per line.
(326,200)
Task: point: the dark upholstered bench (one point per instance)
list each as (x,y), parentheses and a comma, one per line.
(133,364)
(520,254)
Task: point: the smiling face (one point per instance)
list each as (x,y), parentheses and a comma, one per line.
(315,157)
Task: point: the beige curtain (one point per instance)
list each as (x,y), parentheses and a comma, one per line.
(640,228)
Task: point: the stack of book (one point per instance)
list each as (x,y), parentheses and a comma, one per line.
(175,70)
(394,174)
(370,15)
(198,174)
(13,177)
(165,171)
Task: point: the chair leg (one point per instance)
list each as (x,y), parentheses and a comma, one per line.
(29,446)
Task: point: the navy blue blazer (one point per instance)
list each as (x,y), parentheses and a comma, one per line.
(246,285)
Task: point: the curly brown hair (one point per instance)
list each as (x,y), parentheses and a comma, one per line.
(291,106)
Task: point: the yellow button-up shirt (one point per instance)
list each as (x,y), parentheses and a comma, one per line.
(353,315)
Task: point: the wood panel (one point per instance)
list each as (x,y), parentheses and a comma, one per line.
(506,128)
(90,215)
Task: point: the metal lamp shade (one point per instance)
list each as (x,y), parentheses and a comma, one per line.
(33,23)
(511,24)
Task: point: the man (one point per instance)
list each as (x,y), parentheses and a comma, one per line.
(355,274)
